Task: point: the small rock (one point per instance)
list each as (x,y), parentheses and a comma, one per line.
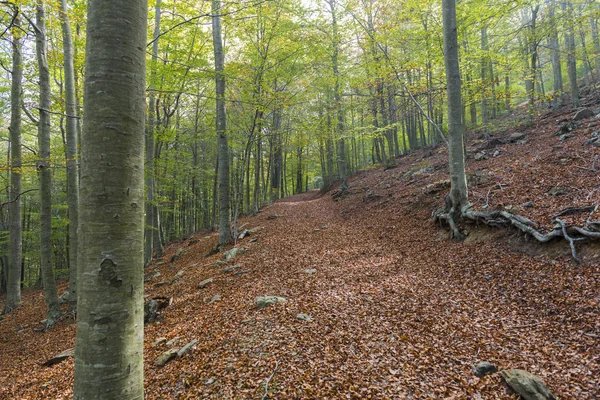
(273,216)
(557,148)
(174,258)
(558,191)
(253,240)
(528,386)
(163,283)
(310,271)
(583,114)
(216,297)
(156,275)
(172,341)
(304,317)
(193,242)
(60,357)
(231,269)
(517,136)
(165,357)
(316,230)
(566,136)
(481,156)
(496,153)
(220,263)
(243,234)
(150,311)
(528,204)
(255,230)
(484,368)
(205,283)
(228,255)
(262,302)
(210,381)
(186,348)
(596,143)
(159,341)
(177,276)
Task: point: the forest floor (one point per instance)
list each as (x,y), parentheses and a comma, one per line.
(398,310)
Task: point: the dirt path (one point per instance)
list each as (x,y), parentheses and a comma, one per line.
(398,312)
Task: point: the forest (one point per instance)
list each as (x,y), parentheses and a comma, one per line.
(299,199)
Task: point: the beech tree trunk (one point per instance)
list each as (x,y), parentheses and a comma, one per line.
(571,61)
(224,206)
(151,222)
(72,149)
(554,46)
(458,190)
(110,304)
(44,170)
(13,285)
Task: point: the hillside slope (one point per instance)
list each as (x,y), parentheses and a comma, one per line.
(397,310)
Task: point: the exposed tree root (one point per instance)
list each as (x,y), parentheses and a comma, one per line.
(501,218)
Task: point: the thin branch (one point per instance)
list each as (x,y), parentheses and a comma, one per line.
(266,394)
(17,198)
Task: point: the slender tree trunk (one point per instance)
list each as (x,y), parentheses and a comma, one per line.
(110,305)
(13,286)
(224,206)
(484,79)
(72,152)
(554,46)
(596,41)
(44,171)
(571,61)
(150,225)
(458,191)
(277,156)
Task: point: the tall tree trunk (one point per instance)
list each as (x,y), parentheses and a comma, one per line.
(277,156)
(72,150)
(596,41)
(151,219)
(554,46)
(224,206)
(110,304)
(341,154)
(44,171)
(571,61)
(13,286)
(458,191)
(484,79)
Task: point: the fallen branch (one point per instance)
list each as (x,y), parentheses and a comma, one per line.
(266,395)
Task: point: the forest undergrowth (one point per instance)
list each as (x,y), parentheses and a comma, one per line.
(379,302)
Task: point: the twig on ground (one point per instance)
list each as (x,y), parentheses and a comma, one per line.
(266,395)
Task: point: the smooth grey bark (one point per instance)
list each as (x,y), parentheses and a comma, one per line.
(72,152)
(571,61)
(13,285)
(277,156)
(532,48)
(44,170)
(554,47)
(110,309)
(337,95)
(221,125)
(596,41)
(458,191)
(484,77)
(151,225)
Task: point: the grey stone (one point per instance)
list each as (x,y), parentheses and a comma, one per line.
(163,283)
(566,136)
(484,368)
(481,156)
(159,341)
(583,114)
(528,204)
(186,348)
(205,283)
(496,153)
(528,386)
(304,317)
(172,341)
(596,143)
(165,357)
(233,252)
(517,136)
(558,191)
(150,311)
(310,271)
(231,269)
(220,263)
(265,301)
(215,298)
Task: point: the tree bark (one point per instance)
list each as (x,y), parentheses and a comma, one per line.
(13,286)
(72,149)
(44,171)
(571,61)
(110,303)
(151,209)
(224,206)
(458,190)
(554,46)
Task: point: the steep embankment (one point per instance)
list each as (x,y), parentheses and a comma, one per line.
(398,310)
